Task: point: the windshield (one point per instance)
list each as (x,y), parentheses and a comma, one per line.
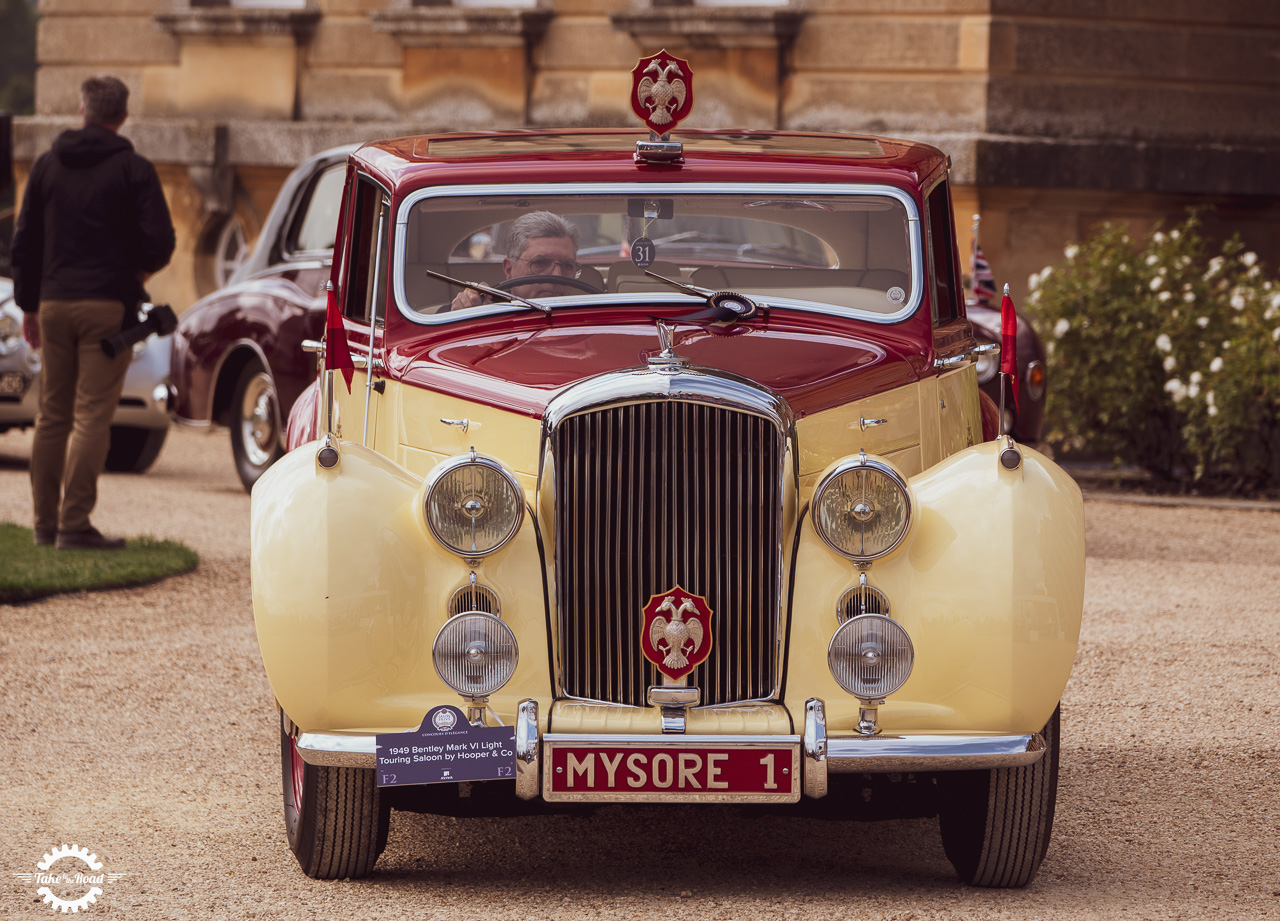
(829,248)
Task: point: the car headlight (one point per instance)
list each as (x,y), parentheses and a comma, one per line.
(475,654)
(871,656)
(862,509)
(10,334)
(473,505)
(988,363)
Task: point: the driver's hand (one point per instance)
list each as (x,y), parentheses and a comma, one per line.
(469,297)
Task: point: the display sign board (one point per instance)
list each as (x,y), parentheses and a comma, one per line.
(446,749)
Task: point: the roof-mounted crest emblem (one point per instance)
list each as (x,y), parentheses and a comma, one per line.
(680,642)
(662,91)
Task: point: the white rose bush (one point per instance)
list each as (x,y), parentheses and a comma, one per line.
(1165,357)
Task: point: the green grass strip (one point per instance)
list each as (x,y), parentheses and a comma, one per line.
(28,572)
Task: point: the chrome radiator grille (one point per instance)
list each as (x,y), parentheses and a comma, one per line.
(650,495)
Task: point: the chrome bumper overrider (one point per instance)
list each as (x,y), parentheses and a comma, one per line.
(822,754)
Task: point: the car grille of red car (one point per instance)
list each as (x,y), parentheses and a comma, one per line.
(654,494)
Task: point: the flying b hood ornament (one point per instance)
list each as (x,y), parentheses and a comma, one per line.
(661,97)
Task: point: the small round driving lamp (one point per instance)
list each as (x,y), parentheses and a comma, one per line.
(473,505)
(870,656)
(475,654)
(862,509)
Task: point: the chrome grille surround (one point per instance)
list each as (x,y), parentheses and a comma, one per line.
(618,524)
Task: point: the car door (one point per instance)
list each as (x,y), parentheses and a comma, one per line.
(954,395)
(363,301)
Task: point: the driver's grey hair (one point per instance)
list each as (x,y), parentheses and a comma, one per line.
(529,227)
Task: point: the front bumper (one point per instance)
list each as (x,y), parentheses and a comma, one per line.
(821,755)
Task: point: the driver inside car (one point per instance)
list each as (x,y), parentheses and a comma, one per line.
(547,245)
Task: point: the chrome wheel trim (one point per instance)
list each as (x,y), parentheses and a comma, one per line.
(259,429)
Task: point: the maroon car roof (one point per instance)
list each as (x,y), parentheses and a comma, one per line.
(596,154)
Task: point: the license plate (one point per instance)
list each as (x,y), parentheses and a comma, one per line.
(13,384)
(669,771)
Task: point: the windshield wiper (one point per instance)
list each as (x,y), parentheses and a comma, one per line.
(723,307)
(487,289)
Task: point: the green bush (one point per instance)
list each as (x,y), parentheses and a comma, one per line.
(1165,357)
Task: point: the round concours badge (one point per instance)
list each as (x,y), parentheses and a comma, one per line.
(643,252)
(444,719)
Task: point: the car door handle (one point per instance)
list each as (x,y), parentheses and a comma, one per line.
(970,354)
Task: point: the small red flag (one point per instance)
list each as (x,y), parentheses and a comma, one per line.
(337,356)
(1009,343)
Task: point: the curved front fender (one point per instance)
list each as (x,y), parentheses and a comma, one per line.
(349,591)
(989,584)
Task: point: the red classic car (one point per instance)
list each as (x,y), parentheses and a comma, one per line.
(653,468)
(237,356)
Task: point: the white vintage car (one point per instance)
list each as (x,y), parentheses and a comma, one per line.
(141,423)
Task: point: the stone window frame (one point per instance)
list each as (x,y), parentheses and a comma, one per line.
(243,17)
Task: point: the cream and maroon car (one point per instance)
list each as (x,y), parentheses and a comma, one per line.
(714,520)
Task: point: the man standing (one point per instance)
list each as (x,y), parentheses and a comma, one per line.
(93,227)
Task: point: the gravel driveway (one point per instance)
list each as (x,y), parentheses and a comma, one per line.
(139,724)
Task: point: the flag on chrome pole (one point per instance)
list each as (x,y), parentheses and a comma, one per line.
(984,283)
(337,355)
(1009,342)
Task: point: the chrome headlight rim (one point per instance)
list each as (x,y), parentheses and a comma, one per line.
(461,622)
(447,466)
(854,624)
(860,463)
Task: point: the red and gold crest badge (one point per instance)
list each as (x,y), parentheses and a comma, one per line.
(675,633)
(662,91)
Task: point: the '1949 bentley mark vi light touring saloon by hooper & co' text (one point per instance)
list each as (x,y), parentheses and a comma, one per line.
(652,467)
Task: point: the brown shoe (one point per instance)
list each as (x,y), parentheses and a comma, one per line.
(88,539)
(45,536)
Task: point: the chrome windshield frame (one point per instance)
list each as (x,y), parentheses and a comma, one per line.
(915,230)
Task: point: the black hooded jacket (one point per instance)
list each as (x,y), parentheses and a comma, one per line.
(93,221)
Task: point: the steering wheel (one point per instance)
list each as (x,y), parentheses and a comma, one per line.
(508,283)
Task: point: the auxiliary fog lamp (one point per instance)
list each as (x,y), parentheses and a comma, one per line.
(475,654)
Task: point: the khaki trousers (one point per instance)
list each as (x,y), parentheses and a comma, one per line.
(80,388)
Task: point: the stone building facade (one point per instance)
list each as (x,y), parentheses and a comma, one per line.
(1058,114)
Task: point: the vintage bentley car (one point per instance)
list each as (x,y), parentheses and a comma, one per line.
(141,423)
(661,476)
(237,354)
